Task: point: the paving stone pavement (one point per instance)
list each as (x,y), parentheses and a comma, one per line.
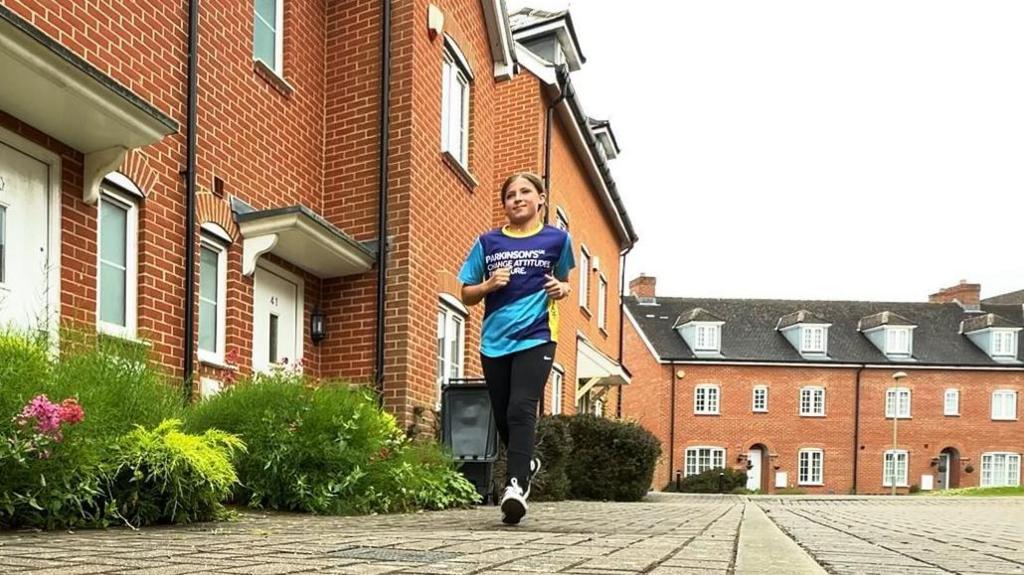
(906,536)
(667,534)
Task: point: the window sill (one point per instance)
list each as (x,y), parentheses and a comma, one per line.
(216,362)
(818,415)
(272,77)
(706,413)
(950,415)
(586,311)
(113,334)
(603,331)
(810,484)
(1004,419)
(759,411)
(461,171)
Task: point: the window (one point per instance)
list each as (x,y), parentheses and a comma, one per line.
(897,341)
(455,78)
(118,264)
(701,459)
(811,467)
(706,338)
(3,240)
(1000,469)
(705,399)
(951,402)
(1004,404)
(212,297)
(1004,343)
(451,332)
(812,401)
(813,339)
(760,398)
(602,304)
(561,221)
(267,32)
(897,402)
(557,377)
(584,277)
(895,466)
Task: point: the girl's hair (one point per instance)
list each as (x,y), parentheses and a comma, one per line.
(528,176)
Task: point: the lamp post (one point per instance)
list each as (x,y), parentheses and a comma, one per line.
(895,418)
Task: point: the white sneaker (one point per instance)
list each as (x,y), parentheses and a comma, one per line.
(513,503)
(534,470)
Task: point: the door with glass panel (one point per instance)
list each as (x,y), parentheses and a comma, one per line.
(24,244)
(277,335)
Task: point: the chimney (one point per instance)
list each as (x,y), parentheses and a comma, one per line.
(643,286)
(965,294)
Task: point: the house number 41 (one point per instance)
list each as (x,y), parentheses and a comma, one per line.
(273,300)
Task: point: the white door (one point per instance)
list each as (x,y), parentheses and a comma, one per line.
(944,474)
(24,232)
(277,333)
(754,473)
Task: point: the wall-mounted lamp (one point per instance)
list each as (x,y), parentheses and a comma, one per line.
(317,325)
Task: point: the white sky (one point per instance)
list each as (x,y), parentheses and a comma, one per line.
(813,149)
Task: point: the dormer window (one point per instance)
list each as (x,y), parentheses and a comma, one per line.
(813,339)
(897,341)
(701,330)
(891,333)
(707,338)
(1004,343)
(995,335)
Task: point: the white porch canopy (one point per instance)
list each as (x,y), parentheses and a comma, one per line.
(594,368)
(55,91)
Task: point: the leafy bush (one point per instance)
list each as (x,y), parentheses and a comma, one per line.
(717,480)
(610,459)
(166,476)
(63,484)
(553,445)
(326,449)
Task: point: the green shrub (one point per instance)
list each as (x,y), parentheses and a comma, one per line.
(166,476)
(610,459)
(116,387)
(327,449)
(717,480)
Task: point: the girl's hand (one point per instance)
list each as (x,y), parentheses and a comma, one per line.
(499,279)
(556,290)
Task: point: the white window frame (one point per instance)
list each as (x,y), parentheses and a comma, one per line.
(557,388)
(954,395)
(278,65)
(893,344)
(702,394)
(602,304)
(707,337)
(561,219)
(211,241)
(131,276)
(692,459)
(455,68)
(1004,405)
(809,457)
(448,318)
(1004,343)
(1010,468)
(811,391)
(894,406)
(891,457)
(598,408)
(584,277)
(809,340)
(763,408)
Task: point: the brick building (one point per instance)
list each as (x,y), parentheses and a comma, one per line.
(830,396)
(216,224)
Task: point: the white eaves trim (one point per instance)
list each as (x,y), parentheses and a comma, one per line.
(499,37)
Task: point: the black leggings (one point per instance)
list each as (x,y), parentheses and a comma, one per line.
(515,383)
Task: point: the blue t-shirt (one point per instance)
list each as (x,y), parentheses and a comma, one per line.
(520,315)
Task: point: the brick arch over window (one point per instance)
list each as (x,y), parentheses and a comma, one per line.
(211,209)
(136,167)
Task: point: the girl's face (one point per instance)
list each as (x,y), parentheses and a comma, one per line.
(522,201)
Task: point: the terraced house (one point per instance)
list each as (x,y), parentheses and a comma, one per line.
(250,185)
(830,396)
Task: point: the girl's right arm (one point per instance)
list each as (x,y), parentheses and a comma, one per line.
(474,294)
